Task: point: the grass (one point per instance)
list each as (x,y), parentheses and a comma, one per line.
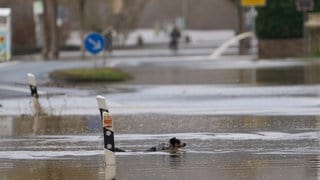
(315,54)
(90,75)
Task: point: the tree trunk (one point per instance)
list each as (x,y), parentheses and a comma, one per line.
(51,45)
(46,44)
(5,3)
(54,45)
(82,4)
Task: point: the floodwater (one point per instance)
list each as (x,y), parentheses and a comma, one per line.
(218,147)
(226,72)
(240,120)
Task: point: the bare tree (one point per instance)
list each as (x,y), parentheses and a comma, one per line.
(128,19)
(51,44)
(77,9)
(98,16)
(54,30)
(82,4)
(46,45)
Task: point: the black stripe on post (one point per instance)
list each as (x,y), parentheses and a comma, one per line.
(102,111)
(108,139)
(33,85)
(34,91)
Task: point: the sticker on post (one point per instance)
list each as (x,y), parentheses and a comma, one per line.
(107,120)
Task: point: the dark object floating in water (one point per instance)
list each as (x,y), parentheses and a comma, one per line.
(172,146)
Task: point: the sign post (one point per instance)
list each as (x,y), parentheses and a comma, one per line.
(250,3)
(5,34)
(304,6)
(247,23)
(94,44)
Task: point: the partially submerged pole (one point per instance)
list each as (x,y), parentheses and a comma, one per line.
(109,149)
(102,105)
(36,104)
(33,85)
(34,93)
(108,135)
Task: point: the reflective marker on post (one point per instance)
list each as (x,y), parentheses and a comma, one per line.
(109,149)
(108,135)
(102,105)
(33,85)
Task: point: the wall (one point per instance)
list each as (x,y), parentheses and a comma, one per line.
(280,48)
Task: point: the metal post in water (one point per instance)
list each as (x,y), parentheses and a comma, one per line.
(109,149)
(108,135)
(102,105)
(34,93)
(33,85)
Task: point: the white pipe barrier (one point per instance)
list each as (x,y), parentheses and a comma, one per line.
(217,53)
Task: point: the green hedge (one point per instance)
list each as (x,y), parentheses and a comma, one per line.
(89,75)
(280,20)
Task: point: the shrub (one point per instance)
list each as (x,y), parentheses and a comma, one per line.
(89,75)
(280,20)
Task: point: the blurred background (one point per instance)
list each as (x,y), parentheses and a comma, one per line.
(50,26)
(65,22)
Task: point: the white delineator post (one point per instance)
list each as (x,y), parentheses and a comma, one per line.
(34,93)
(108,135)
(102,105)
(33,85)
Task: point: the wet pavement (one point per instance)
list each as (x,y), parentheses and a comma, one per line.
(241,119)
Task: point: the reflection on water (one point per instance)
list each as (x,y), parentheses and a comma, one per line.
(176,160)
(87,168)
(189,166)
(44,124)
(229,147)
(315,163)
(308,74)
(295,75)
(222,167)
(152,123)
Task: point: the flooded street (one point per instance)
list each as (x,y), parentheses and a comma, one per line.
(241,119)
(159,90)
(227,147)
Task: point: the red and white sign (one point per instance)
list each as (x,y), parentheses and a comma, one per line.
(107,120)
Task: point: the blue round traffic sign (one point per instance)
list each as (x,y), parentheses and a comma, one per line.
(94,43)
